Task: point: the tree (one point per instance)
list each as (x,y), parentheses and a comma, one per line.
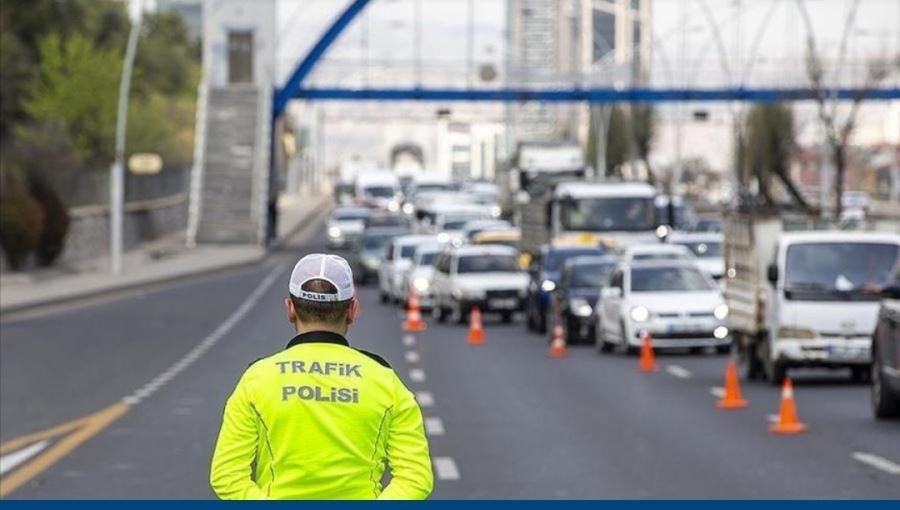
(837,132)
(73,91)
(767,148)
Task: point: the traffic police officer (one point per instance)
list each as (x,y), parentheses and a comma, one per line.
(319,419)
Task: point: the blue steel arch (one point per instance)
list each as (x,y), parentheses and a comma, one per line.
(293,87)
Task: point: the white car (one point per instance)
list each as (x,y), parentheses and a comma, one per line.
(659,251)
(418,276)
(486,276)
(707,247)
(345,225)
(450,223)
(474,227)
(676,302)
(397,260)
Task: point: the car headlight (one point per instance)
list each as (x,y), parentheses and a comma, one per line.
(334,232)
(443,237)
(496,211)
(408,208)
(640,314)
(371,262)
(548,285)
(393,206)
(580,307)
(720,332)
(797,333)
(721,312)
(523,293)
(421,284)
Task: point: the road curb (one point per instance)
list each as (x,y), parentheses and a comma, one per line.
(315,215)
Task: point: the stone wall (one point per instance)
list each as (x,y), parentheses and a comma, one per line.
(144,221)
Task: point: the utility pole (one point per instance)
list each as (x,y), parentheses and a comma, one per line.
(117,171)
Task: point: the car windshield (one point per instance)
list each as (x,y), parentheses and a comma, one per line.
(838,271)
(669,279)
(351,215)
(454,224)
(487,264)
(407,251)
(554,259)
(708,225)
(379,191)
(387,221)
(374,242)
(703,249)
(424,188)
(591,276)
(427,258)
(608,214)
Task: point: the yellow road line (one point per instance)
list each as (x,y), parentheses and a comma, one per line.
(84,429)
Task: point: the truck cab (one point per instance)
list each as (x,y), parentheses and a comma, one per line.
(804,299)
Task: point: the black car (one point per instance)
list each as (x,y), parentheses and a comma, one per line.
(886,353)
(544,275)
(578,291)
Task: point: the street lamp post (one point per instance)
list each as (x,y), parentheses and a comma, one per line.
(117,171)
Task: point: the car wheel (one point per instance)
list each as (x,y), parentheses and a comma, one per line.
(382,297)
(775,372)
(884,403)
(723,349)
(750,365)
(438,312)
(860,374)
(541,324)
(506,317)
(457,314)
(600,342)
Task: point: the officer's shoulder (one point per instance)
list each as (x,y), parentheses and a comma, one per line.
(378,359)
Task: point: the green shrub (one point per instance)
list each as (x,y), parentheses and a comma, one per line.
(56,220)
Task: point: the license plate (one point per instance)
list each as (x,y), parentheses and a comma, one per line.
(503,304)
(848,353)
(682,328)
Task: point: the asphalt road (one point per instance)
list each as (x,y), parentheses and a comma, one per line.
(505,421)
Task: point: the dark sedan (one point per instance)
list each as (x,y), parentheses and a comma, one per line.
(886,353)
(544,276)
(576,295)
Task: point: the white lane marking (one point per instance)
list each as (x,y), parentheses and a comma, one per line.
(773,418)
(445,468)
(880,463)
(417,375)
(679,372)
(207,343)
(425,398)
(434,426)
(409,340)
(11,460)
(717,391)
(411,356)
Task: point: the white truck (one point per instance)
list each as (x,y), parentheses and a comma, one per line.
(379,188)
(802,298)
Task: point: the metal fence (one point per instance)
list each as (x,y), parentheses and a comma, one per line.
(92,188)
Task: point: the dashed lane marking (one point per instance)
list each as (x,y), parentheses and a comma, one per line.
(207,343)
(417,375)
(445,468)
(717,391)
(411,356)
(679,372)
(409,340)
(425,398)
(11,460)
(773,418)
(434,426)
(879,463)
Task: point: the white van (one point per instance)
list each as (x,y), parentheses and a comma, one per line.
(378,188)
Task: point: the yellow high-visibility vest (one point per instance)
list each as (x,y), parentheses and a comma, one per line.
(318,420)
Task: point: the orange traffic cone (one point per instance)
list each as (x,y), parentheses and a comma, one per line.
(647,361)
(414,320)
(558,343)
(787,415)
(732,398)
(476,328)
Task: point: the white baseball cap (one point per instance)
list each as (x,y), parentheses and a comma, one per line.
(322,266)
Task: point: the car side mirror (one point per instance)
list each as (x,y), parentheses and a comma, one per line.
(772,274)
(891,291)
